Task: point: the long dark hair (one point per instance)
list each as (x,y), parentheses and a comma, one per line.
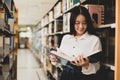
(83,11)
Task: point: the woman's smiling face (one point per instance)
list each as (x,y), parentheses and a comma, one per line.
(80,25)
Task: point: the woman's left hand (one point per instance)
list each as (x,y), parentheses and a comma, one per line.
(80,61)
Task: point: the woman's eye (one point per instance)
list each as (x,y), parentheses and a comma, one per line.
(84,23)
(77,23)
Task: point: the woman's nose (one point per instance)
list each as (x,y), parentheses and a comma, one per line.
(81,25)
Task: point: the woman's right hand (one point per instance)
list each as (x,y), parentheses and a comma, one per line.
(53,58)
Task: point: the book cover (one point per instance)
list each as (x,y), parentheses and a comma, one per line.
(96,13)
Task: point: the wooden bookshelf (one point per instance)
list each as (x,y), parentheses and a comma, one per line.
(7,33)
(117,41)
(60,11)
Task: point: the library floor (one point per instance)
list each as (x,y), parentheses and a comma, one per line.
(27,66)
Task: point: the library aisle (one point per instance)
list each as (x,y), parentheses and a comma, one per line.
(27,66)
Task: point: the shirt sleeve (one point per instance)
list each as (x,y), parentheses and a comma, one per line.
(96,46)
(93,67)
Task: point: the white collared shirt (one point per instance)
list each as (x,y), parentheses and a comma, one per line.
(85,45)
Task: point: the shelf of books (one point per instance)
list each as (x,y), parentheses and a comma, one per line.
(56,23)
(7,32)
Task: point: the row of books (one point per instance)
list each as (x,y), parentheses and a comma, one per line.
(6,20)
(9,4)
(54,41)
(2,23)
(4,47)
(58,10)
(58,26)
(67,4)
(96,13)
(9,25)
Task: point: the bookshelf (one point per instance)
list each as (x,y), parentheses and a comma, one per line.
(117,41)
(55,24)
(7,33)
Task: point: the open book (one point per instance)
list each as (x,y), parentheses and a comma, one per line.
(62,55)
(70,58)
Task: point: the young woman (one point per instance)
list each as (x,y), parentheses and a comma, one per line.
(81,41)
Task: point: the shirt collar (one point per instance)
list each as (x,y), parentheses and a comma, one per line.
(84,36)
